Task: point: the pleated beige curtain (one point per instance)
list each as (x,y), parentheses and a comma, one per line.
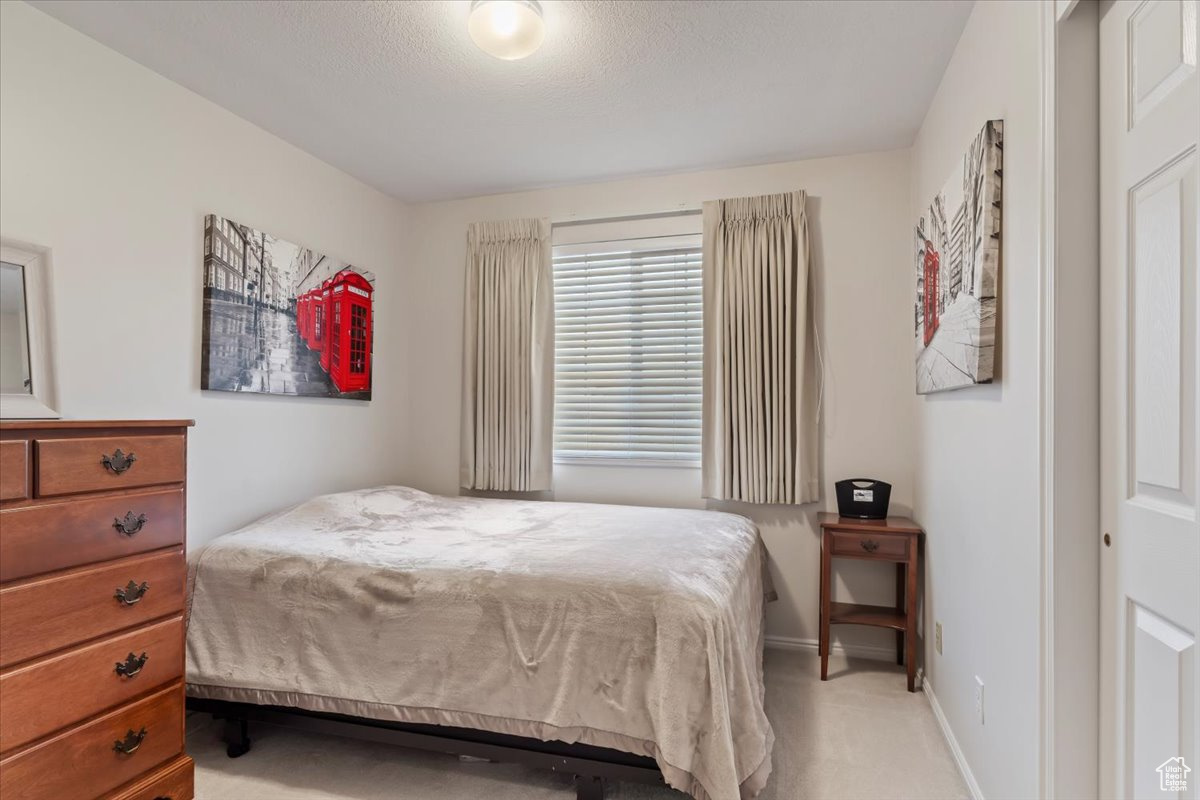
(508,357)
(760,395)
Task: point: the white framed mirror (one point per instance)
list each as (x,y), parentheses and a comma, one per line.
(27,387)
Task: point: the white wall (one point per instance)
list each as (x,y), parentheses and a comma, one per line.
(114,168)
(977,484)
(859,217)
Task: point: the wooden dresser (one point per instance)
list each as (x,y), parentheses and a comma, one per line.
(92,576)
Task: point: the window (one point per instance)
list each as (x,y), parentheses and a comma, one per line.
(628,350)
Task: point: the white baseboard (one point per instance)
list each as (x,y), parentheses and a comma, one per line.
(853,651)
(961,760)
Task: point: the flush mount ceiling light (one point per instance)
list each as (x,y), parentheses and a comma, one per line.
(508,29)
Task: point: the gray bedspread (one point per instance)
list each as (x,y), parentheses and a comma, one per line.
(633,628)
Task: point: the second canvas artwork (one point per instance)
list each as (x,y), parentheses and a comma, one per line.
(283,319)
(957,255)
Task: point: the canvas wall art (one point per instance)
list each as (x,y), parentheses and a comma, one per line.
(282,319)
(957,257)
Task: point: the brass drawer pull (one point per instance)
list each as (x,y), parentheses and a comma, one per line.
(131,743)
(130,524)
(870,545)
(118,462)
(132,592)
(132,666)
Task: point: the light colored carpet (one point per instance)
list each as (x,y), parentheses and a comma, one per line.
(858,735)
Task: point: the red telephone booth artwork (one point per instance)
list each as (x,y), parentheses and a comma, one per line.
(349,343)
(316,334)
(308,319)
(302,328)
(314,319)
(325,306)
(930,304)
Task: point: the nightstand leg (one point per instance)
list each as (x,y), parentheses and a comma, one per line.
(900,608)
(826,590)
(910,633)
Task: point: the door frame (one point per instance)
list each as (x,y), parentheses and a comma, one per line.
(1069,401)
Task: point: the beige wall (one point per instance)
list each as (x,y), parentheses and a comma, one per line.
(976,450)
(858,212)
(114,167)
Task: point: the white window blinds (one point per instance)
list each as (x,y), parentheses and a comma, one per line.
(628,350)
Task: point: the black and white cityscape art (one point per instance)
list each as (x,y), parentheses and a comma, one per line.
(957,256)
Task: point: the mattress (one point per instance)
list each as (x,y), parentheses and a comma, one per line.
(638,629)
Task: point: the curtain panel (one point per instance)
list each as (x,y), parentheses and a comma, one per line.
(760,396)
(508,357)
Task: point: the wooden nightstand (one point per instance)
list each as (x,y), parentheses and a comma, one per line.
(895,539)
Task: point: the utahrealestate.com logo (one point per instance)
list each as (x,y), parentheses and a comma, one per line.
(1173,775)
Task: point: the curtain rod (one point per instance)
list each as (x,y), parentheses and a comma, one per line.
(683,212)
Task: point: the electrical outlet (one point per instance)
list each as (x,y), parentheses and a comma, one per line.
(937,637)
(979,698)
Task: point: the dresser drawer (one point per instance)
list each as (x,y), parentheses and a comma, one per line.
(14,470)
(885,547)
(83,762)
(69,466)
(46,614)
(172,781)
(37,539)
(43,696)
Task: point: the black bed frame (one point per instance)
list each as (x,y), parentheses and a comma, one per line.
(591,766)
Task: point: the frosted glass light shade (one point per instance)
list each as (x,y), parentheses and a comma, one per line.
(508,29)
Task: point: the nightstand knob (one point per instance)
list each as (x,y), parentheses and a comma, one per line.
(870,545)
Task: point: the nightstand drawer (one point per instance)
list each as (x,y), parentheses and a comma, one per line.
(885,547)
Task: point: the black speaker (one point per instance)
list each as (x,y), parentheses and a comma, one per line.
(863,498)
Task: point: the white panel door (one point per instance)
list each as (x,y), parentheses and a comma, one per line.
(1150,590)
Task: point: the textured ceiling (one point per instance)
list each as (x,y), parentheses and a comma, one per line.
(396,94)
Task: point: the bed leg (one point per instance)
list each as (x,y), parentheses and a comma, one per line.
(237,737)
(589,787)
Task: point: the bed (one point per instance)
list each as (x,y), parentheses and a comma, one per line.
(612,641)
